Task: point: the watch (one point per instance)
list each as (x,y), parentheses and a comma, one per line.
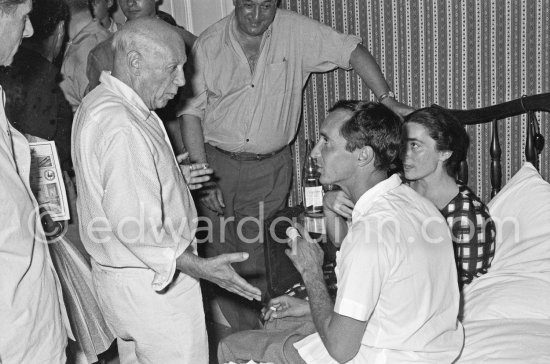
(385,95)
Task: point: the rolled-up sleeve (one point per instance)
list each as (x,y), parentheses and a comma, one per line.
(133,204)
(324,48)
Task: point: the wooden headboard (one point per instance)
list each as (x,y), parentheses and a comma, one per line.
(534,140)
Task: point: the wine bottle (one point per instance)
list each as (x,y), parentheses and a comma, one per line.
(312,188)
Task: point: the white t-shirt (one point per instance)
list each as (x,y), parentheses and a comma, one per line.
(396,271)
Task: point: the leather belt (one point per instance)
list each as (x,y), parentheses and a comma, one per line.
(246,156)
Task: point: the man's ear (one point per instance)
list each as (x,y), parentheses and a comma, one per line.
(366,156)
(135,62)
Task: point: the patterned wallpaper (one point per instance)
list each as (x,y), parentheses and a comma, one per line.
(459,54)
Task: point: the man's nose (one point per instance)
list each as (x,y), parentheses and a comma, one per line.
(256,13)
(29,30)
(316,151)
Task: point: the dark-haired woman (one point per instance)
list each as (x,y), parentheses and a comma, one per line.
(435,145)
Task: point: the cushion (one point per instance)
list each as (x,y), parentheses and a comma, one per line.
(517,285)
(521,211)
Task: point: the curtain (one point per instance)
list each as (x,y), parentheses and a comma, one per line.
(459,54)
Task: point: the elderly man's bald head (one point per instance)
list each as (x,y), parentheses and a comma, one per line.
(146,35)
(149,57)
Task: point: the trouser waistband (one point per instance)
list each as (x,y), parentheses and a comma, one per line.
(246,156)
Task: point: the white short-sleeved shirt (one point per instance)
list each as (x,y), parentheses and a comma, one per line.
(396,271)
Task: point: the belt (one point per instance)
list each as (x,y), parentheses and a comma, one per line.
(246,156)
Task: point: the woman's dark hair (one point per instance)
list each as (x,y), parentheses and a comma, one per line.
(45,16)
(374,125)
(448,133)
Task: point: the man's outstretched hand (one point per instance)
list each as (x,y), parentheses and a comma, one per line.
(218,270)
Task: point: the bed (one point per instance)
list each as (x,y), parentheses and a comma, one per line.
(506,312)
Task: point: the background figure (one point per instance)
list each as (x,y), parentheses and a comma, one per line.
(35,104)
(435,145)
(101,58)
(251,68)
(84,34)
(102,10)
(33,319)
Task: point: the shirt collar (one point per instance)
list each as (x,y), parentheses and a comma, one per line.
(90,28)
(368,199)
(125,91)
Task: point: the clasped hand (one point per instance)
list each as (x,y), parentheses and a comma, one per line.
(195,174)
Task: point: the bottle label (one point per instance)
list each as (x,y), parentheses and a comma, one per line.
(313,199)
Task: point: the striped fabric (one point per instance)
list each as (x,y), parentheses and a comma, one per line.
(456,53)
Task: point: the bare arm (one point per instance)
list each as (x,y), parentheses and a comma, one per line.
(366,66)
(341,335)
(193,138)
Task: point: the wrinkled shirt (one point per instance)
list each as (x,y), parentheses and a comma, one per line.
(33,321)
(73,69)
(259,112)
(396,271)
(134,206)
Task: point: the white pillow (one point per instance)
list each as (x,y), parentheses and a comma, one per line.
(517,285)
(521,211)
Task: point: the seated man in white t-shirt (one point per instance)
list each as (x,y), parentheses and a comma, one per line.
(397,298)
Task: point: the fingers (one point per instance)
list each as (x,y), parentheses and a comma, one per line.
(303,231)
(277,301)
(211,201)
(182,157)
(235,257)
(245,289)
(219,196)
(197,182)
(199,166)
(345,211)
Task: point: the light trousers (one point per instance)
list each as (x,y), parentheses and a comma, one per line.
(152,327)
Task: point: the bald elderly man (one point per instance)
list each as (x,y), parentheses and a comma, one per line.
(137,216)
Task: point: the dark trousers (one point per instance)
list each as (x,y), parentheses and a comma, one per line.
(252,192)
